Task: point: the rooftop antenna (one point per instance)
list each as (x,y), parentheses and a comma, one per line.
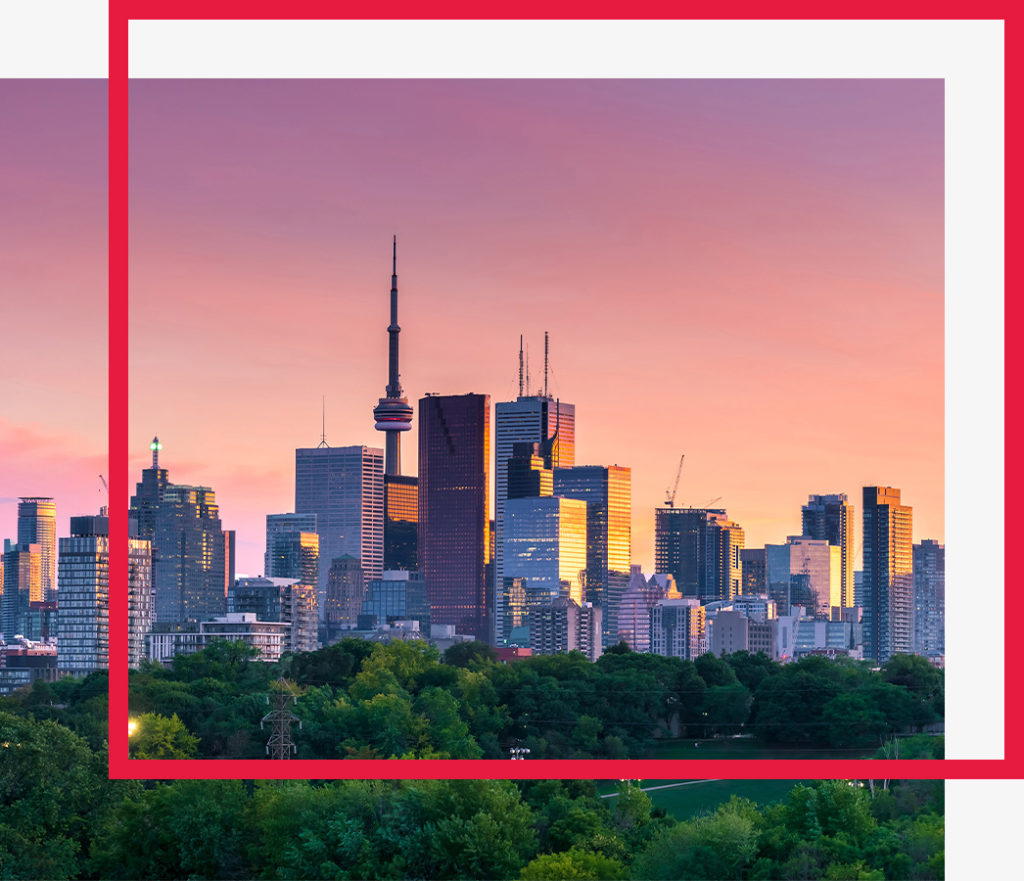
(528,370)
(545,364)
(520,365)
(323,423)
(156,447)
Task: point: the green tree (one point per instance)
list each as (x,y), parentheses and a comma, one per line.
(470,654)
(573,864)
(159,737)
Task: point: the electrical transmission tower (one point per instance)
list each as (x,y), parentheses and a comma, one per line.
(280,745)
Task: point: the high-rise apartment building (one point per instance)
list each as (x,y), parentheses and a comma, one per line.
(295,555)
(888,590)
(563,626)
(830,518)
(606,490)
(83,629)
(545,554)
(37,525)
(454,498)
(141,600)
(344,487)
(701,548)
(280,599)
(530,419)
(677,629)
(930,598)
(23,585)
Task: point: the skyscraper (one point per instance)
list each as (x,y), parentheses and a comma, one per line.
(830,517)
(293,551)
(282,525)
(37,524)
(930,598)
(23,584)
(346,590)
(344,487)
(888,590)
(533,419)
(190,553)
(83,627)
(805,572)
(545,553)
(401,517)
(606,490)
(700,547)
(454,491)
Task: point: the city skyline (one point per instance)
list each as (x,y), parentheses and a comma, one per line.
(757,263)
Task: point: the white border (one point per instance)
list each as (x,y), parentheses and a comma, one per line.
(53,39)
(967,54)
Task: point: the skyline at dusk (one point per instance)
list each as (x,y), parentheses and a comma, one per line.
(748,272)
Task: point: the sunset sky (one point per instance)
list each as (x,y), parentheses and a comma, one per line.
(53,280)
(749,272)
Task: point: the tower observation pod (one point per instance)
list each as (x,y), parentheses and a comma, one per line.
(393,415)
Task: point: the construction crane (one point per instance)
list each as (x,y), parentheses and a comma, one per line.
(670,494)
(709,504)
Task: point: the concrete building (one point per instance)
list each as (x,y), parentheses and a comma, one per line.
(565,626)
(346,590)
(634,619)
(930,598)
(344,488)
(701,548)
(269,638)
(454,502)
(677,629)
(888,592)
(286,600)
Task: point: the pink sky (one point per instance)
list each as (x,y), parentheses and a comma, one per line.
(53,277)
(749,272)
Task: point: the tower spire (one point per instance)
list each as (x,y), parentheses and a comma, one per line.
(323,423)
(545,364)
(156,447)
(393,413)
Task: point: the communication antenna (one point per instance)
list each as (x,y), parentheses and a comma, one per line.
(323,423)
(280,745)
(520,365)
(545,364)
(528,370)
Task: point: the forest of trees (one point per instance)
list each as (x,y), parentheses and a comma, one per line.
(60,817)
(402,699)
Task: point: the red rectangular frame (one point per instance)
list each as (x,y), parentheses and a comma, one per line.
(122,11)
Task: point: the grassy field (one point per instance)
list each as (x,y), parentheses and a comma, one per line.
(746,748)
(686,799)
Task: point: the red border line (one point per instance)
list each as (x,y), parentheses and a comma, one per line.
(120,12)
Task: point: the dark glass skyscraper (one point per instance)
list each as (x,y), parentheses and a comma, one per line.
(401,515)
(930,598)
(700,548)
(606,490)
(454,496)
(888,590)
(830,518)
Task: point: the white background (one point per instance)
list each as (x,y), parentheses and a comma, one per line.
(67,38)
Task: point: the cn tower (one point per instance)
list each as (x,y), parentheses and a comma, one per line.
(393,414)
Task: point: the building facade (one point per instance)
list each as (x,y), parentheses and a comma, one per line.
(830,518)
(346,590)
(888,591)
(23,585)
(398,595)
(701,548)
(401,521)
(37,525)
(83,626)
(280,599)
(454,502)
(805,572)
(677,629)
(531,419)
(607,492)
(930,598)
(564,626)
(344,488)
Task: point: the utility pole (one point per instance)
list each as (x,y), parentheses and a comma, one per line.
(280,745)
